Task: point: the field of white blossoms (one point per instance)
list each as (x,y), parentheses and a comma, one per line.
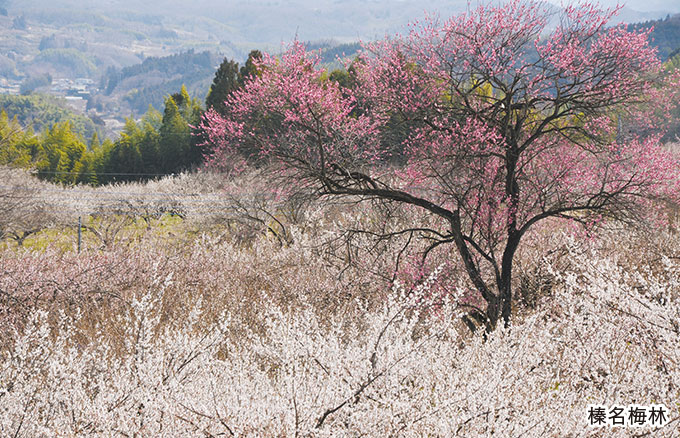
(215,312)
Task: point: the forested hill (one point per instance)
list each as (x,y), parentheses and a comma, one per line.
(665,35)
(149,82)
(41,112)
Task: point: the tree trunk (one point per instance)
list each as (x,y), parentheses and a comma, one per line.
(505,294)
(492,314)
(505,285)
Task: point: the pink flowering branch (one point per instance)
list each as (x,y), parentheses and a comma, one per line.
(507,123)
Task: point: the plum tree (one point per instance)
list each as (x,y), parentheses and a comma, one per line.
(511,121)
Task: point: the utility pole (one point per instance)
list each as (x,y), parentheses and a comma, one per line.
(80,233)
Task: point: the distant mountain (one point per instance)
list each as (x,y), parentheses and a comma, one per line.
(234,27)
(628,15)
(122,45)
(243,24)
(148,83)
(665,35)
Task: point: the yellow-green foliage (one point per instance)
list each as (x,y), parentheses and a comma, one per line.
(17,146)
(98,232)
(158,144)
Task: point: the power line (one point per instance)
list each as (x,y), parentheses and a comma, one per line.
(211,212)
(130,201)
(205,206)
(226,212)
(107,192)
(70,172)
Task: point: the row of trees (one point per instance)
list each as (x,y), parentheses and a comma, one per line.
(157,144)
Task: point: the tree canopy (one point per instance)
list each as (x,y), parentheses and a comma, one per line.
(510,122)
(157,144)
(225,82)
(229,78)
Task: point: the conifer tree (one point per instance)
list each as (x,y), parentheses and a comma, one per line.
(250,68)
(122,161)
(174,138)
(12,138)
(149,141)
(226,80)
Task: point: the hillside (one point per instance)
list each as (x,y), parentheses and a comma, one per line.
(665,34)
(151,81)
(39,112)
(118,57)
(471,231)
(72,39)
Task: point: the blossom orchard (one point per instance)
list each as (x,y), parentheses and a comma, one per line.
(229,340)
(510,121)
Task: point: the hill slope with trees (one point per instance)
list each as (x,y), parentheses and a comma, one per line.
(665,34)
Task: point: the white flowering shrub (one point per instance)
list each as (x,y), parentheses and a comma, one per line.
(265,340)
(25,208)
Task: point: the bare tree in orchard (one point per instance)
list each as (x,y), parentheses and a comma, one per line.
(25,208)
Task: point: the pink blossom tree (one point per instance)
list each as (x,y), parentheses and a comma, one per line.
(510,120)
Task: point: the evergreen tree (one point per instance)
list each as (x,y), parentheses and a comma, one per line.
(250,69)
(174,138)
(61,148)
(12,137)
(100,161)
(94,142)
(148,140)
(85,168)
(123,161)
(227,79)
(177,146)
(342,77)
